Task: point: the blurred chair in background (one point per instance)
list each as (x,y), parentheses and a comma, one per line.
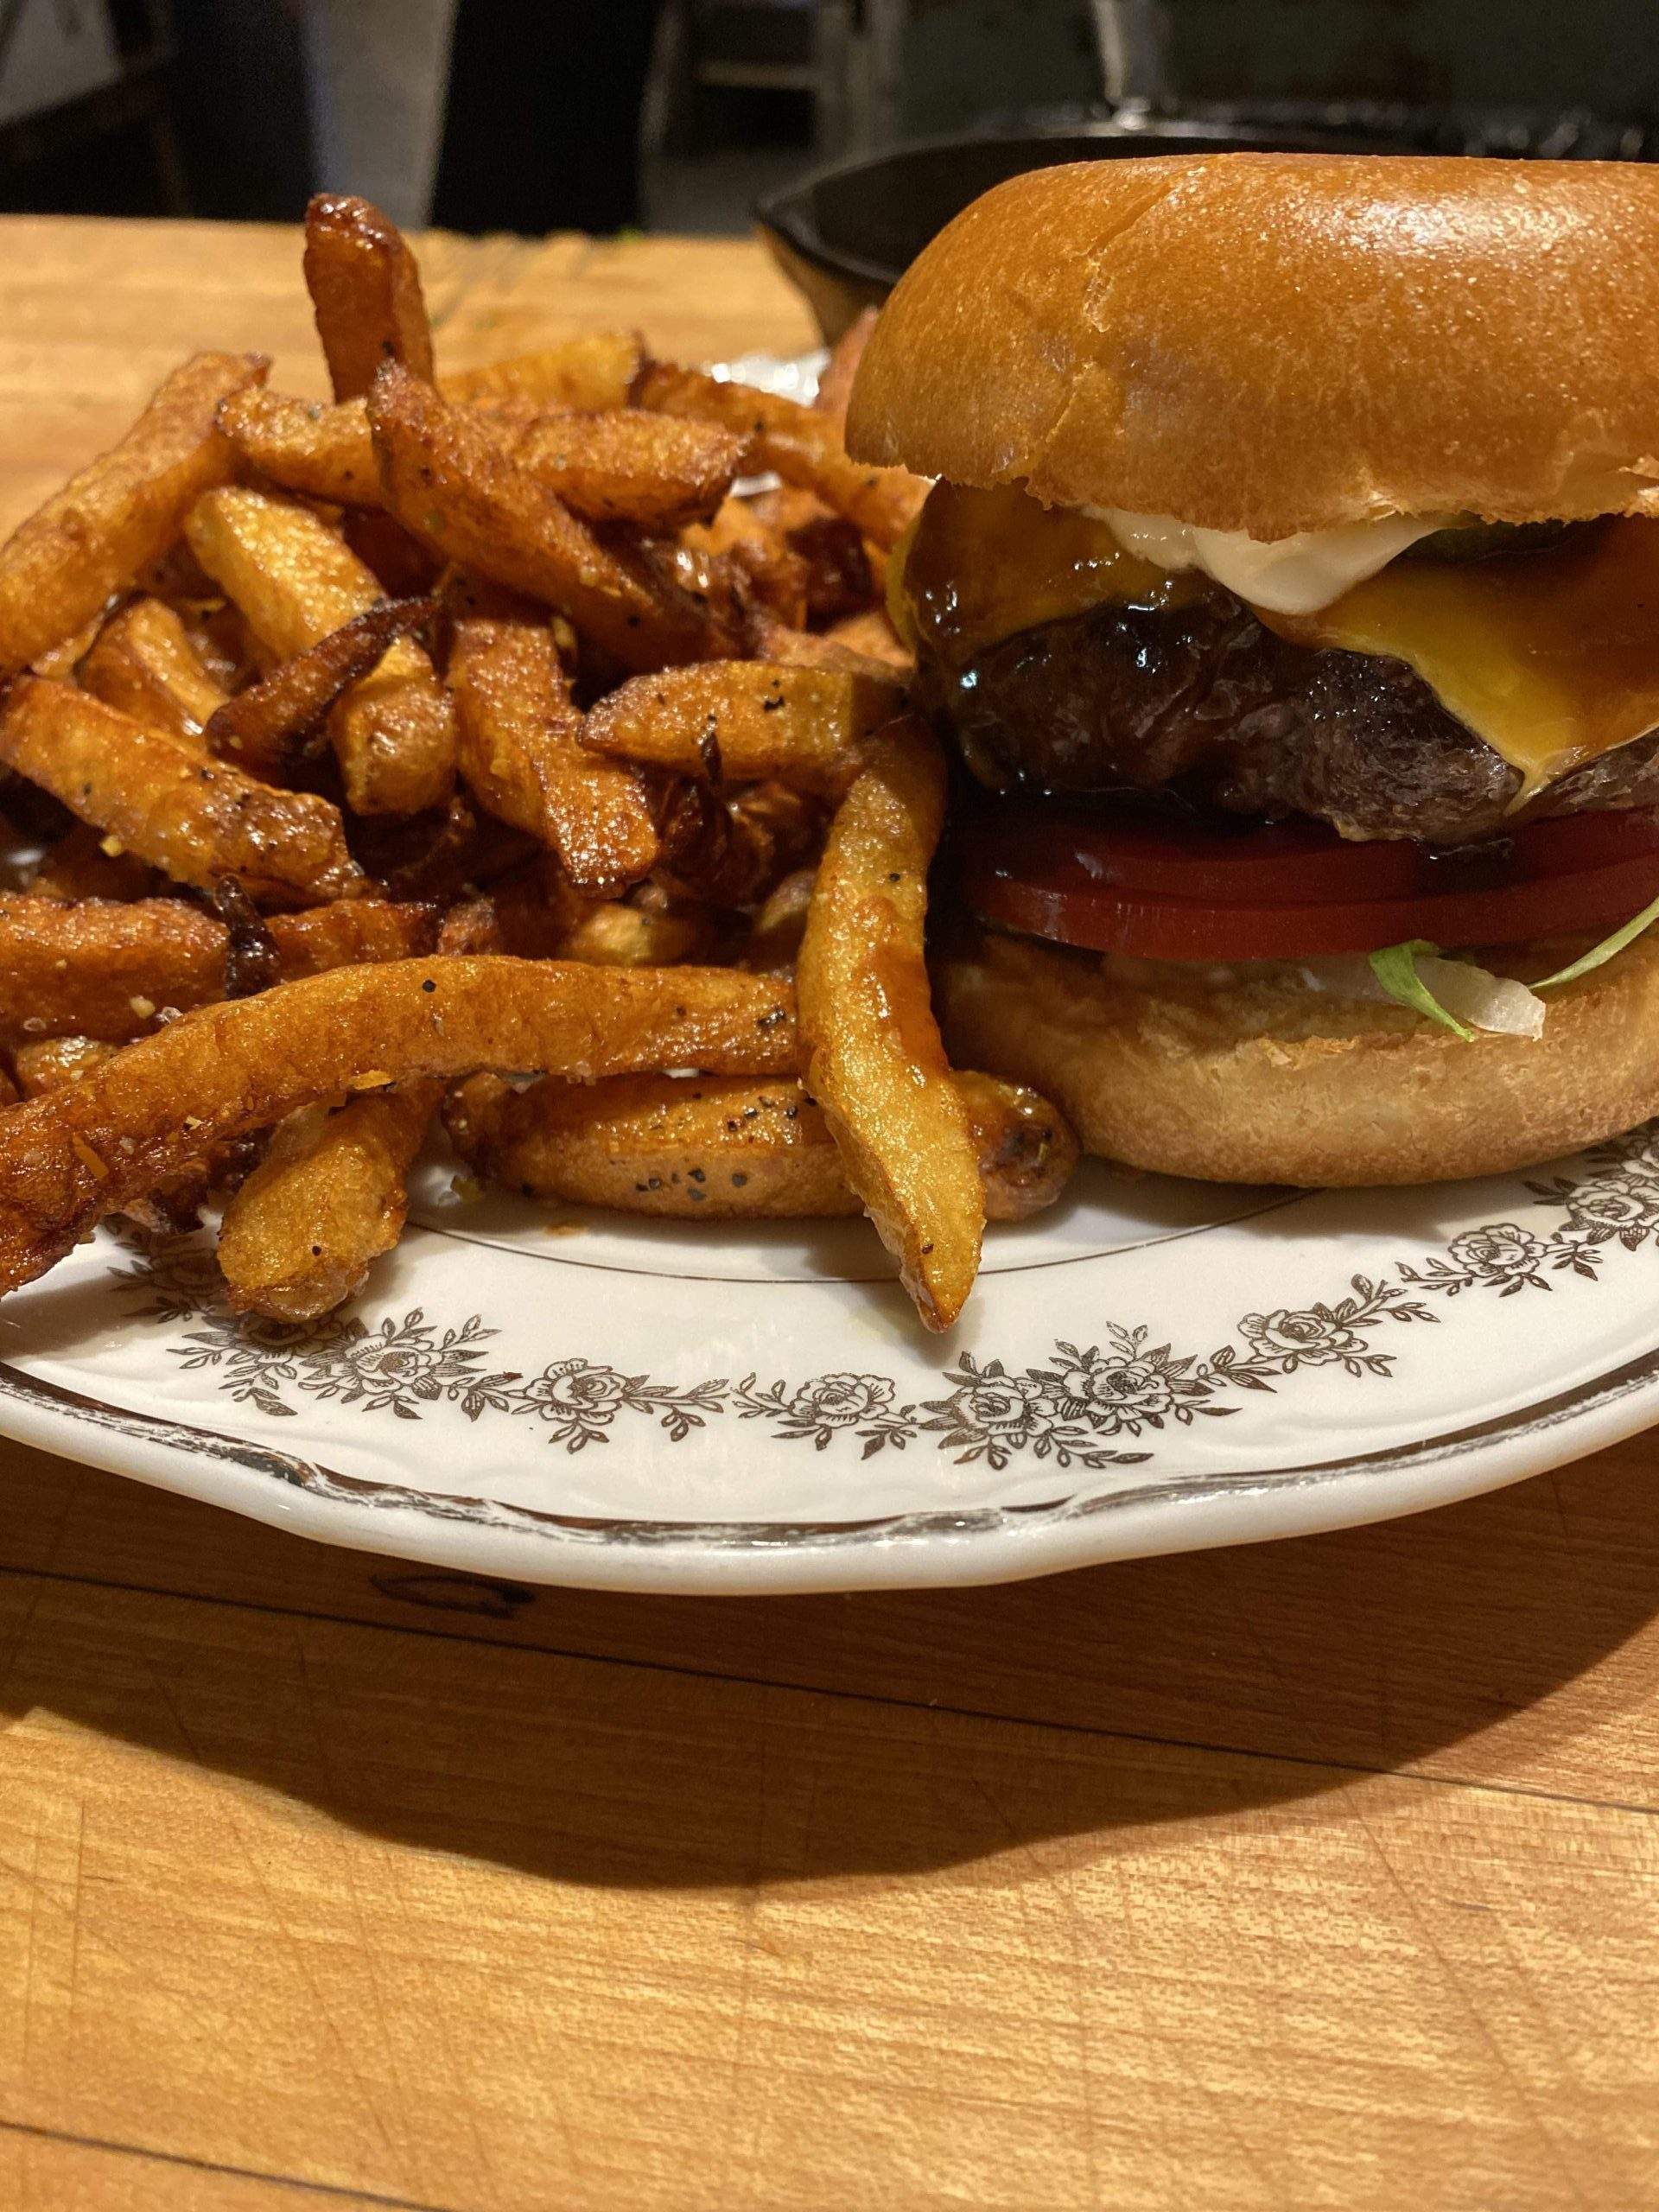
(781,46)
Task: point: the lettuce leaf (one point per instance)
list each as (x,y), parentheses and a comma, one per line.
(1395,969)
(1604,950)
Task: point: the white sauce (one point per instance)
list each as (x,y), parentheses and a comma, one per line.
(1288,575)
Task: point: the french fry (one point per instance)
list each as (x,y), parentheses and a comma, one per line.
(619,935)
(328,1199)
(68,1161)
(521,753)
(839,577)
(111,971)
(777,641)
(802,447)
(365,289)
(306,446)
(726,1148)
(594,372)
(195,819)
(438,858)
(835,385)
(620,465)
(742,720)
(872,1057)
(270,725)
(350,933)
(58,568)
(767,568)
(617,465)
(63,659)
(774,942)
(83,864)
(394,730)
(48,1066)
(399,564)
(144,662)
(450,479)
(729,848)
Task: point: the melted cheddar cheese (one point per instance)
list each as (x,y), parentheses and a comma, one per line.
(1551,655)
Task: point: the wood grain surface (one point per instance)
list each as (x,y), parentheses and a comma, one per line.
(1319,1874)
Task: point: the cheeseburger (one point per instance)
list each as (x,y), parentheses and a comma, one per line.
(1290,590)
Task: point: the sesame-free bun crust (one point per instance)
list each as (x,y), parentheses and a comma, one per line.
(1280,342)
(1259,1079)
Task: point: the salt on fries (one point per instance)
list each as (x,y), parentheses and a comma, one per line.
(470,745)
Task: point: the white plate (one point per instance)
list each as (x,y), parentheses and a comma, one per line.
(1155,1366)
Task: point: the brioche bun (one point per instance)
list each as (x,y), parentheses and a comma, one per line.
(1280,342)
(1250,1076)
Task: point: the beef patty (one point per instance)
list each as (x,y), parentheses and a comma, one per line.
(1203,701)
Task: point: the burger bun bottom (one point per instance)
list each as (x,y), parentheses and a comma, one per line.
(1251,1074)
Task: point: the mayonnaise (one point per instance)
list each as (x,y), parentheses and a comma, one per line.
(1286,575)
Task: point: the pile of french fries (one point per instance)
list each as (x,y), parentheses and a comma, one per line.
(470,750)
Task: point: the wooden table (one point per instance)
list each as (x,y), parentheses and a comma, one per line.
(1325,1873)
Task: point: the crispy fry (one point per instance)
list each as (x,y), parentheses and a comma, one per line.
(529,911)
(351,932)
(83,864)
(110,970)
(394,731)
(144,663)
(47,1065)
(65,657)
(224,1070)
(270,724)
(591,373)
(175,1205)
(732,848)
(722,1148)
(400,564)
(776,641)
(196,819)
(449,478)
(521,753)
(305,446)
(92,538)
(835,385)
(766,569)
(741,721)
(330,1196)
(839,577)
(874,1060)
(438,857)
(615,936)
(802,447)
(366,291)
(620,467)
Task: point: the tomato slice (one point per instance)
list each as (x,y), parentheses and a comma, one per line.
(1170,890)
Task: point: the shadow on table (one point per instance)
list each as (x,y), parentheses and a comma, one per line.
(633,1741)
